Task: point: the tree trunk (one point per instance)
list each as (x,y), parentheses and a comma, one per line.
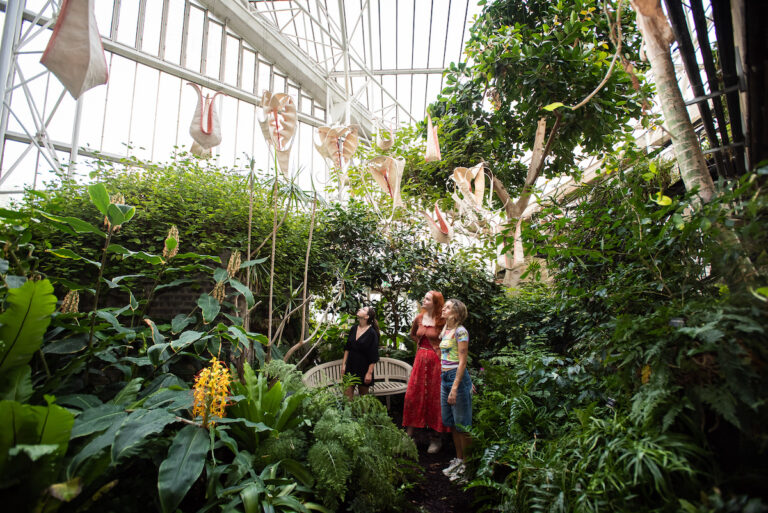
(657,36)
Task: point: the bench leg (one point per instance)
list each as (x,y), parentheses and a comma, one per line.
(388,403)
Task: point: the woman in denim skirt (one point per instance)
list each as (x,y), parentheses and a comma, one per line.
(456,386)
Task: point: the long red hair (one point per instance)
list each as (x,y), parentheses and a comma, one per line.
(437,307)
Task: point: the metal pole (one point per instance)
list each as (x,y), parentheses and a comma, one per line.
(345,49)
(14,9)
(75,137)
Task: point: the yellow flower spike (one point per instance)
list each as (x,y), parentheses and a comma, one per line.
(211,391)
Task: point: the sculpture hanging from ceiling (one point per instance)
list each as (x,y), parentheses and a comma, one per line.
(74,52)
(205,127)
(385,136)
(441,231)
(433,144)
(470,182)
(278,125)
(388,173)
(337,144)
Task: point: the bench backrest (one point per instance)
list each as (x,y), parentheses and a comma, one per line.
(386,369)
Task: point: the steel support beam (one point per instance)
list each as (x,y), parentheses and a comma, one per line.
(276,48)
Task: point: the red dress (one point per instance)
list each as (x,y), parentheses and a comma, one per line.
(422,398)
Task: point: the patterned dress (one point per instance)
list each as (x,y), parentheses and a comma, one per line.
(422,398)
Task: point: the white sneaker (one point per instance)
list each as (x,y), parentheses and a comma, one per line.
(448,471)
(434,446)
(457,474)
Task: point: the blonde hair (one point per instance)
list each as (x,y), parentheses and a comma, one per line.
(458,309)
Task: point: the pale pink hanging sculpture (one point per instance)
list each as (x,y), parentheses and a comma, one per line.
(337,144)
(433,144)
(471,183)
(279,126)
(385,143)
(388,173)
(205,127)
(440,229)
(74,53)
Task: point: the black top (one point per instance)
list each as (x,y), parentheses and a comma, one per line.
(362,352)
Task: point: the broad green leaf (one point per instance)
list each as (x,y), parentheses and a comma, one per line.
(67,346)
(180,322)
(553,106)
(111,319)
(12,214)
(182,467)
(16,384)
(155,353)
(129,392)
(250,263)
(23,424)
(99,197)
(115,215)
(185,339)
(174,283)
(209,306)
(79,401)
(68,253)
(251,497)
(136,428)
(96,445)
(245,291)
(219,275)
(23,324)
(97,419)
(78,225)
(128,212)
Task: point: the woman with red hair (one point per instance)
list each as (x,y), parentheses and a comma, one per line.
(422,398)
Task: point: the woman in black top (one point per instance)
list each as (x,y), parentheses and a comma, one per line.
(361,351)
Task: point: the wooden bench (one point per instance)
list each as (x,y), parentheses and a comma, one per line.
(390,376)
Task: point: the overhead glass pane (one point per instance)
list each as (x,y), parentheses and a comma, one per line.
(128,22)
(153,19)
(195,39)
(231,60)
(213,53)
(173,31)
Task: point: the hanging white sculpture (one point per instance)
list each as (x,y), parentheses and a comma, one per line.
(433,144)
(337,144)
(278,125)
(440,229)
(74,52)
(385,136)
(388,173)
(205,127)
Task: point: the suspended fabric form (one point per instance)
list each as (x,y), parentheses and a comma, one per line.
(388,173)
(385,137)
(337,144)
(471,183)
(433,144)
(205,127)
(441,231)
(278,125)
(74,53)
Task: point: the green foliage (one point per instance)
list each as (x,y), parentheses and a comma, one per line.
(185,461)
(359,455)
(267,409)
(27,314)
(636,378)
(523,57)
